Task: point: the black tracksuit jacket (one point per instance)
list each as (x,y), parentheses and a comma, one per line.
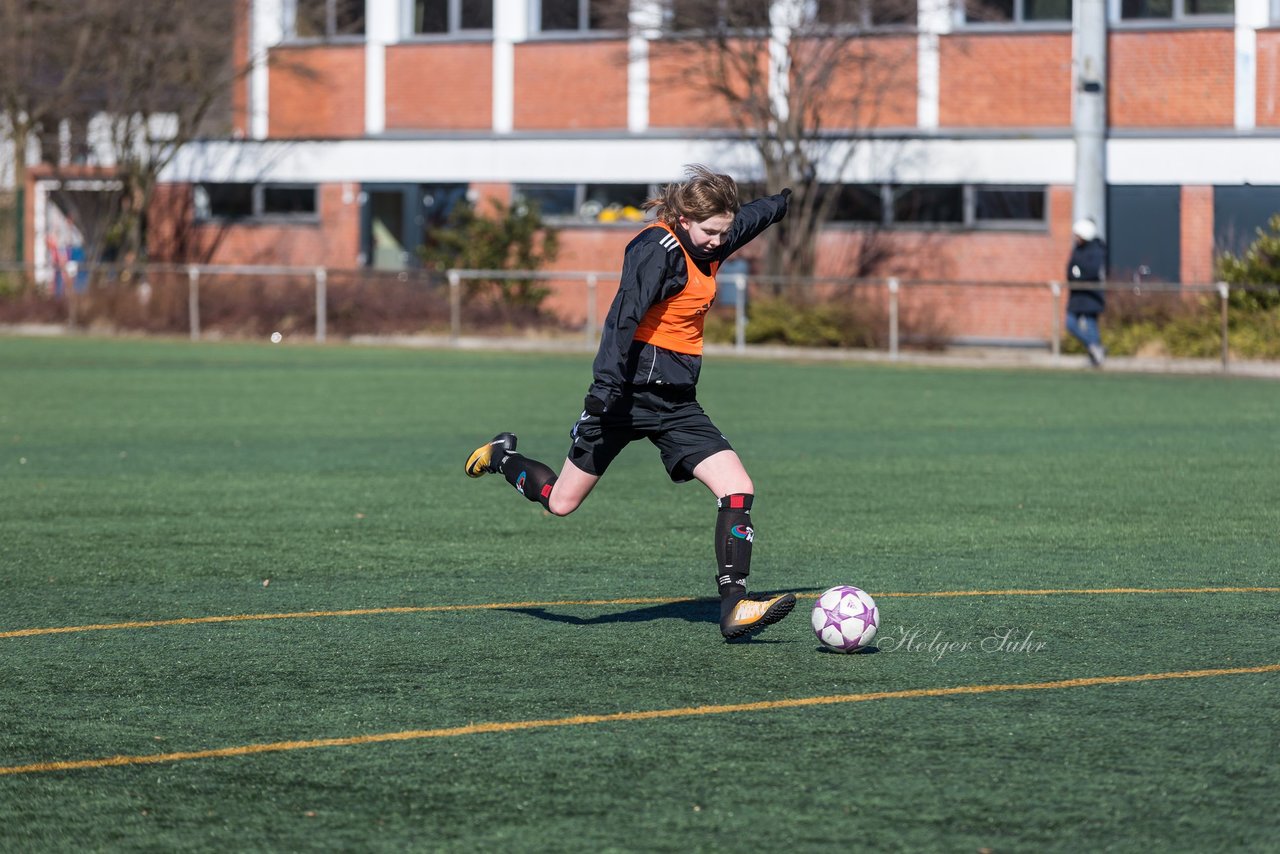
(1088,263)
(652,273)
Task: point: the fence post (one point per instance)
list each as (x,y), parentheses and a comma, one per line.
(193,301)
(455,307)
(1055,323)
(740,313)
(322,303)
(893,318)
(1224,290)
(591,309)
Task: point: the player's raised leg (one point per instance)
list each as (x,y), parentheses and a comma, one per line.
(532,479)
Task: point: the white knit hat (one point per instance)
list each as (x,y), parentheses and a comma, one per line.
(1085,229)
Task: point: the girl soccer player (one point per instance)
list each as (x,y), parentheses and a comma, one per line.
(646,376)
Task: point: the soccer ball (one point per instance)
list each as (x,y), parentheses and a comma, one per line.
(845,618)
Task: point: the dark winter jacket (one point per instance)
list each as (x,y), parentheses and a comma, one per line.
(1088,263)
(655,269)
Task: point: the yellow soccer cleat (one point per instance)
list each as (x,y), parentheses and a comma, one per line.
(487,458)
(749,616)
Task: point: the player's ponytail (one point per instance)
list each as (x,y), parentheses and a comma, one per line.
(702,195)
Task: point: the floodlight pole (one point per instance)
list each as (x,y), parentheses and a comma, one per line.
(1089,44)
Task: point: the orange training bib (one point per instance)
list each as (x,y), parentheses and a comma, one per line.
(676,324)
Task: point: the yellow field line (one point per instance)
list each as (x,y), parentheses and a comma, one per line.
(616,717)
(499,606)
(1080,591)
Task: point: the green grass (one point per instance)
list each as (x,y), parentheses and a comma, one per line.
(159,480)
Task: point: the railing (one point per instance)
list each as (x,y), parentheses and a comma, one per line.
(301,299)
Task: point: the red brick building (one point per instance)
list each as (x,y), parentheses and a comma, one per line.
(362,121)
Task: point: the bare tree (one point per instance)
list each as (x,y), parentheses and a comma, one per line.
(43,48)
(168,87)
(124,84)
(807,83)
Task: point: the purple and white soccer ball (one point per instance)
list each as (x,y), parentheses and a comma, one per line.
(845,618)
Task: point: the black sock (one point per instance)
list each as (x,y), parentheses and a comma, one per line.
(531,478)
(734,536)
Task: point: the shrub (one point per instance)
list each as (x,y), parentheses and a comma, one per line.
(857,323)
(1259,267)
(513,238)
(1187,326)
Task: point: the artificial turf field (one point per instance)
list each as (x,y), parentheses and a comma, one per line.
(249,601)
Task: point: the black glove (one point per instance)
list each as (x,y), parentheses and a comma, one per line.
(594,406)
(786,194)
(786,199)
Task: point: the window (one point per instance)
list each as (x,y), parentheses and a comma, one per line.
(1175,10)
(1028,12)
(445,17)
(556,201)
(323,19)
(925,205)
(1007,205)
(857,203)
(587,203)
(288,200)
(864,14)
(704,15)
(224,201)
(906,205)
(928,203)
(582,15)
(1238,213)
(253,201)
(1144,233)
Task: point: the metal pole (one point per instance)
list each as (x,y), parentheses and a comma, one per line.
(1089,43)
(455,307)
(322,303)
(1224,291)
(193,301)
(893,318)
(740,313)
(1055,320)
(591,309)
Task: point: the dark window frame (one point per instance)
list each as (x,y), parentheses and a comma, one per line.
(1007,223)
(968,203)
(584,25)
(866,18)
(332,32)
(724,22)
(581,206)
(257,212)
(1178,16)
(455,26)
(1017,20)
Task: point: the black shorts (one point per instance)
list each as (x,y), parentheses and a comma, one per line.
(674,422)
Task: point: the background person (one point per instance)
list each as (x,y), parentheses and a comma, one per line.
(1088,263)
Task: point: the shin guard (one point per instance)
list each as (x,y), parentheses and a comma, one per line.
(531,478)
(734,536)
